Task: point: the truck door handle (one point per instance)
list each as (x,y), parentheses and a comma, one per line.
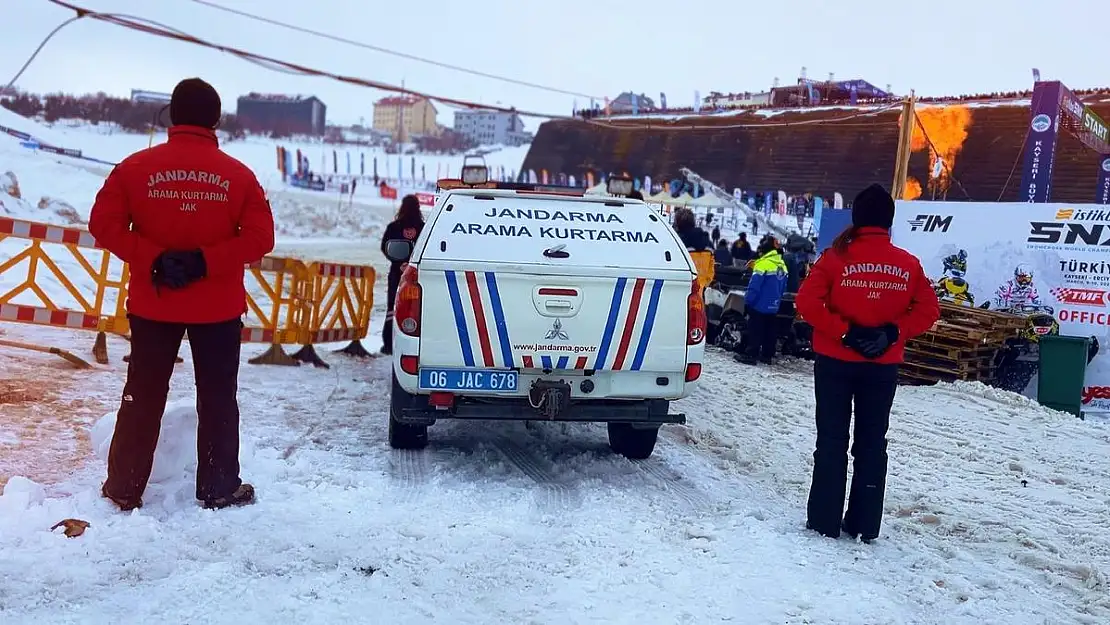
(558,303)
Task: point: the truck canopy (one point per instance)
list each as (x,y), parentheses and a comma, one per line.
(521,228)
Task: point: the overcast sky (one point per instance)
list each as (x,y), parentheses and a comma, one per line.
(598,47)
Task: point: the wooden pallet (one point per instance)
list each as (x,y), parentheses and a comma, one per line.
(977,317)
(962,345)
(952,352)
(916,373)
(947,363)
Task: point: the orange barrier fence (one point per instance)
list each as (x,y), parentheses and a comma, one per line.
(58,276)
(317,303)
(342,297)
(276,300)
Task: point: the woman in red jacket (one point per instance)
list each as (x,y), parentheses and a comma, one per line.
(864,298)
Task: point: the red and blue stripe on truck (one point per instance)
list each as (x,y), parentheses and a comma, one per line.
(619,310)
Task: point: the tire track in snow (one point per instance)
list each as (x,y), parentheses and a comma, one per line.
(410,472)
(555,493)
(674,483)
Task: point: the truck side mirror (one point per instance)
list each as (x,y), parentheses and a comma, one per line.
(398,250)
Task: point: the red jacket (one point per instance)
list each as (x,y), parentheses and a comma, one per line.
(184,195)
(872,284)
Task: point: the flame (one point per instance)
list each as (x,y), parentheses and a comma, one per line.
(947,128)
(912,190)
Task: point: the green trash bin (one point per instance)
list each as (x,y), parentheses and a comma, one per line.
(1062,367)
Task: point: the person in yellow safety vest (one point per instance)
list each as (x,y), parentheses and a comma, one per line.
(761,301)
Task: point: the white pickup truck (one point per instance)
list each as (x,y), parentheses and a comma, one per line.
(540,304)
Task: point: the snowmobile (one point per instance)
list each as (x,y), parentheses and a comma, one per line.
(724,306)
(728,321)
(1040,320)
(1019,361)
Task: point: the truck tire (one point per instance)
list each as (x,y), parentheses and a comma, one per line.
(403,435)
(631,442)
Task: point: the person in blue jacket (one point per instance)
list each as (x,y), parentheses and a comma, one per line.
(762,301)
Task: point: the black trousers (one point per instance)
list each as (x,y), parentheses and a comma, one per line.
(154,347)
(838,386)
(763,334)
(392,282)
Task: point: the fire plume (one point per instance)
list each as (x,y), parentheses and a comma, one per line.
(946,127)
(912,190)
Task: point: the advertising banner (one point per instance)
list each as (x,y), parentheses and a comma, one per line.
(1047,262)
(1103,196)
(833,222)
(1040,142)
(1052,103)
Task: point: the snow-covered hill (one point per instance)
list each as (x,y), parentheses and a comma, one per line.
(299,213)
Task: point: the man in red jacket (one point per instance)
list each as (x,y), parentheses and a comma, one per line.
(864,298)
(187,218)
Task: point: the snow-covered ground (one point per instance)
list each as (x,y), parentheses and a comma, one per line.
(996,512)
(997,509)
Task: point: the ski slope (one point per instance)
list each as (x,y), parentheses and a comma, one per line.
(996,509)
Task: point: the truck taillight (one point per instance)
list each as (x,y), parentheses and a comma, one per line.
(406,309)
(695,315)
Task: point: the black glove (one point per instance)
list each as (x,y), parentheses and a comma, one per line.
(176,270)
(871,343)
(855,336)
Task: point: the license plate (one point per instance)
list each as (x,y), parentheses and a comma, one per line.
(468,380)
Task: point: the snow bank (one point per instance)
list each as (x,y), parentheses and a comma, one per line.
(55,189)
(175,458)
(38,131)
(19,495)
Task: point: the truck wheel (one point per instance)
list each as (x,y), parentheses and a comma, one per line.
(403,435)
(632,443)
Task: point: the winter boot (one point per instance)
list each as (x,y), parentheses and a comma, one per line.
(242,496)
(853,534)
(745,358)
(125,505)
(826,532)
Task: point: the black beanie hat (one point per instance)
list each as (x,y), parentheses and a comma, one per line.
(874,208)
(195,103)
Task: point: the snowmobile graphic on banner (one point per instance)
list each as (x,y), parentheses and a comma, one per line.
(953,285)
(1019,296)
(1018,291)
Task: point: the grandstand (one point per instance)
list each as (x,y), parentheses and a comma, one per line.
(826,149)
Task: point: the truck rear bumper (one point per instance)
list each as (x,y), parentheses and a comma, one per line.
(648,412)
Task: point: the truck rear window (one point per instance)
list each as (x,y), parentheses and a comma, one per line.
(520,229)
